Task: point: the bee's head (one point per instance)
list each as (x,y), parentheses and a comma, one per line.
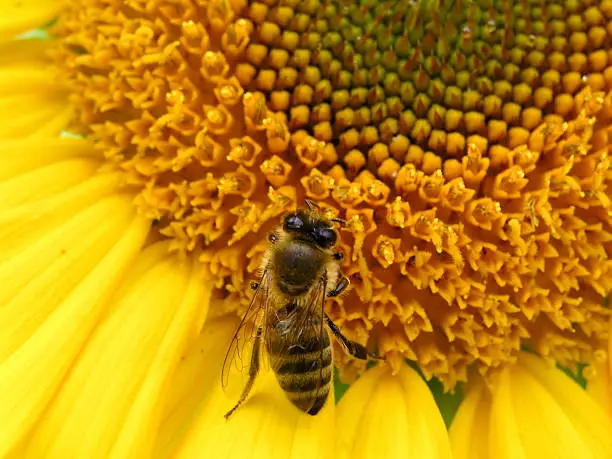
(312,227)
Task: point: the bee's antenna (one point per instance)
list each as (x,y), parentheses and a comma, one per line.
(311,205)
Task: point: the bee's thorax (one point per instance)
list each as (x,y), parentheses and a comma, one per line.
(298,266)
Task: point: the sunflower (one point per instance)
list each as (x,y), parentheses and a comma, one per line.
(464,143)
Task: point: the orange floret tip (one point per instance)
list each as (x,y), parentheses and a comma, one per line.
(317,185)
(244,151)
(276,170)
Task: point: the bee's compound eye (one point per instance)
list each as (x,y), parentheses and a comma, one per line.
(325,237)
(293,222)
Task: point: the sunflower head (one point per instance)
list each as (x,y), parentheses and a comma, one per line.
(465,144)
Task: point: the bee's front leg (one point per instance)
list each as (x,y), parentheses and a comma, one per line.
(343,283)
(350,347)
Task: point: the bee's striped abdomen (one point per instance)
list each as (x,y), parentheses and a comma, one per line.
(303,366)
(306,378)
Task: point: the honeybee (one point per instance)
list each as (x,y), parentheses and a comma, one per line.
(286,314)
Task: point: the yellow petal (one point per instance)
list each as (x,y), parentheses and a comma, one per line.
(471,424)
(24,156)
(24,51)
(31,209)
(30,222)
(529,420)
(23,15)
(45,181)
(110,404)
(266,426)
(589,420)
(194,381)
(533,411)
(390,416)
(599,385)
(32,100)
(61,256)
(599,376)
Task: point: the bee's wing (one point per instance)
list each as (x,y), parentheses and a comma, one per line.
(314,305)
(238,354)
(312,324)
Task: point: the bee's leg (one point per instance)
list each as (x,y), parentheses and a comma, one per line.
(253,370)
(342,284)
(350,347)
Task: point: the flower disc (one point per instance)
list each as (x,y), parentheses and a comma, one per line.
(465,143)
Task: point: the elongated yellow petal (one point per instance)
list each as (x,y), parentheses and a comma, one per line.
(599,376)
(24,156)
(194,382)
(44,181)
(599,385)
(31,209)
(139,433)
(390,416)
(62,253)
(266,426)
(110,404)
(20,16)
(533,411)
(57,315)
(589,420)
(471,424)
(505,430)
(43,271)
(38,116)
(32,99)
(19,52)
(34,220)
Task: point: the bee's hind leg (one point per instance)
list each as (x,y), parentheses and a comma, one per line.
(253,370)
(350,347)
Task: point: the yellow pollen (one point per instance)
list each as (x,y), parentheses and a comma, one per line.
(600,356)
(190,30)
(385,251)
(276,170)
(244,151)
(468,156)
(317,185)
(355,224)
(398,213)
(589,373)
